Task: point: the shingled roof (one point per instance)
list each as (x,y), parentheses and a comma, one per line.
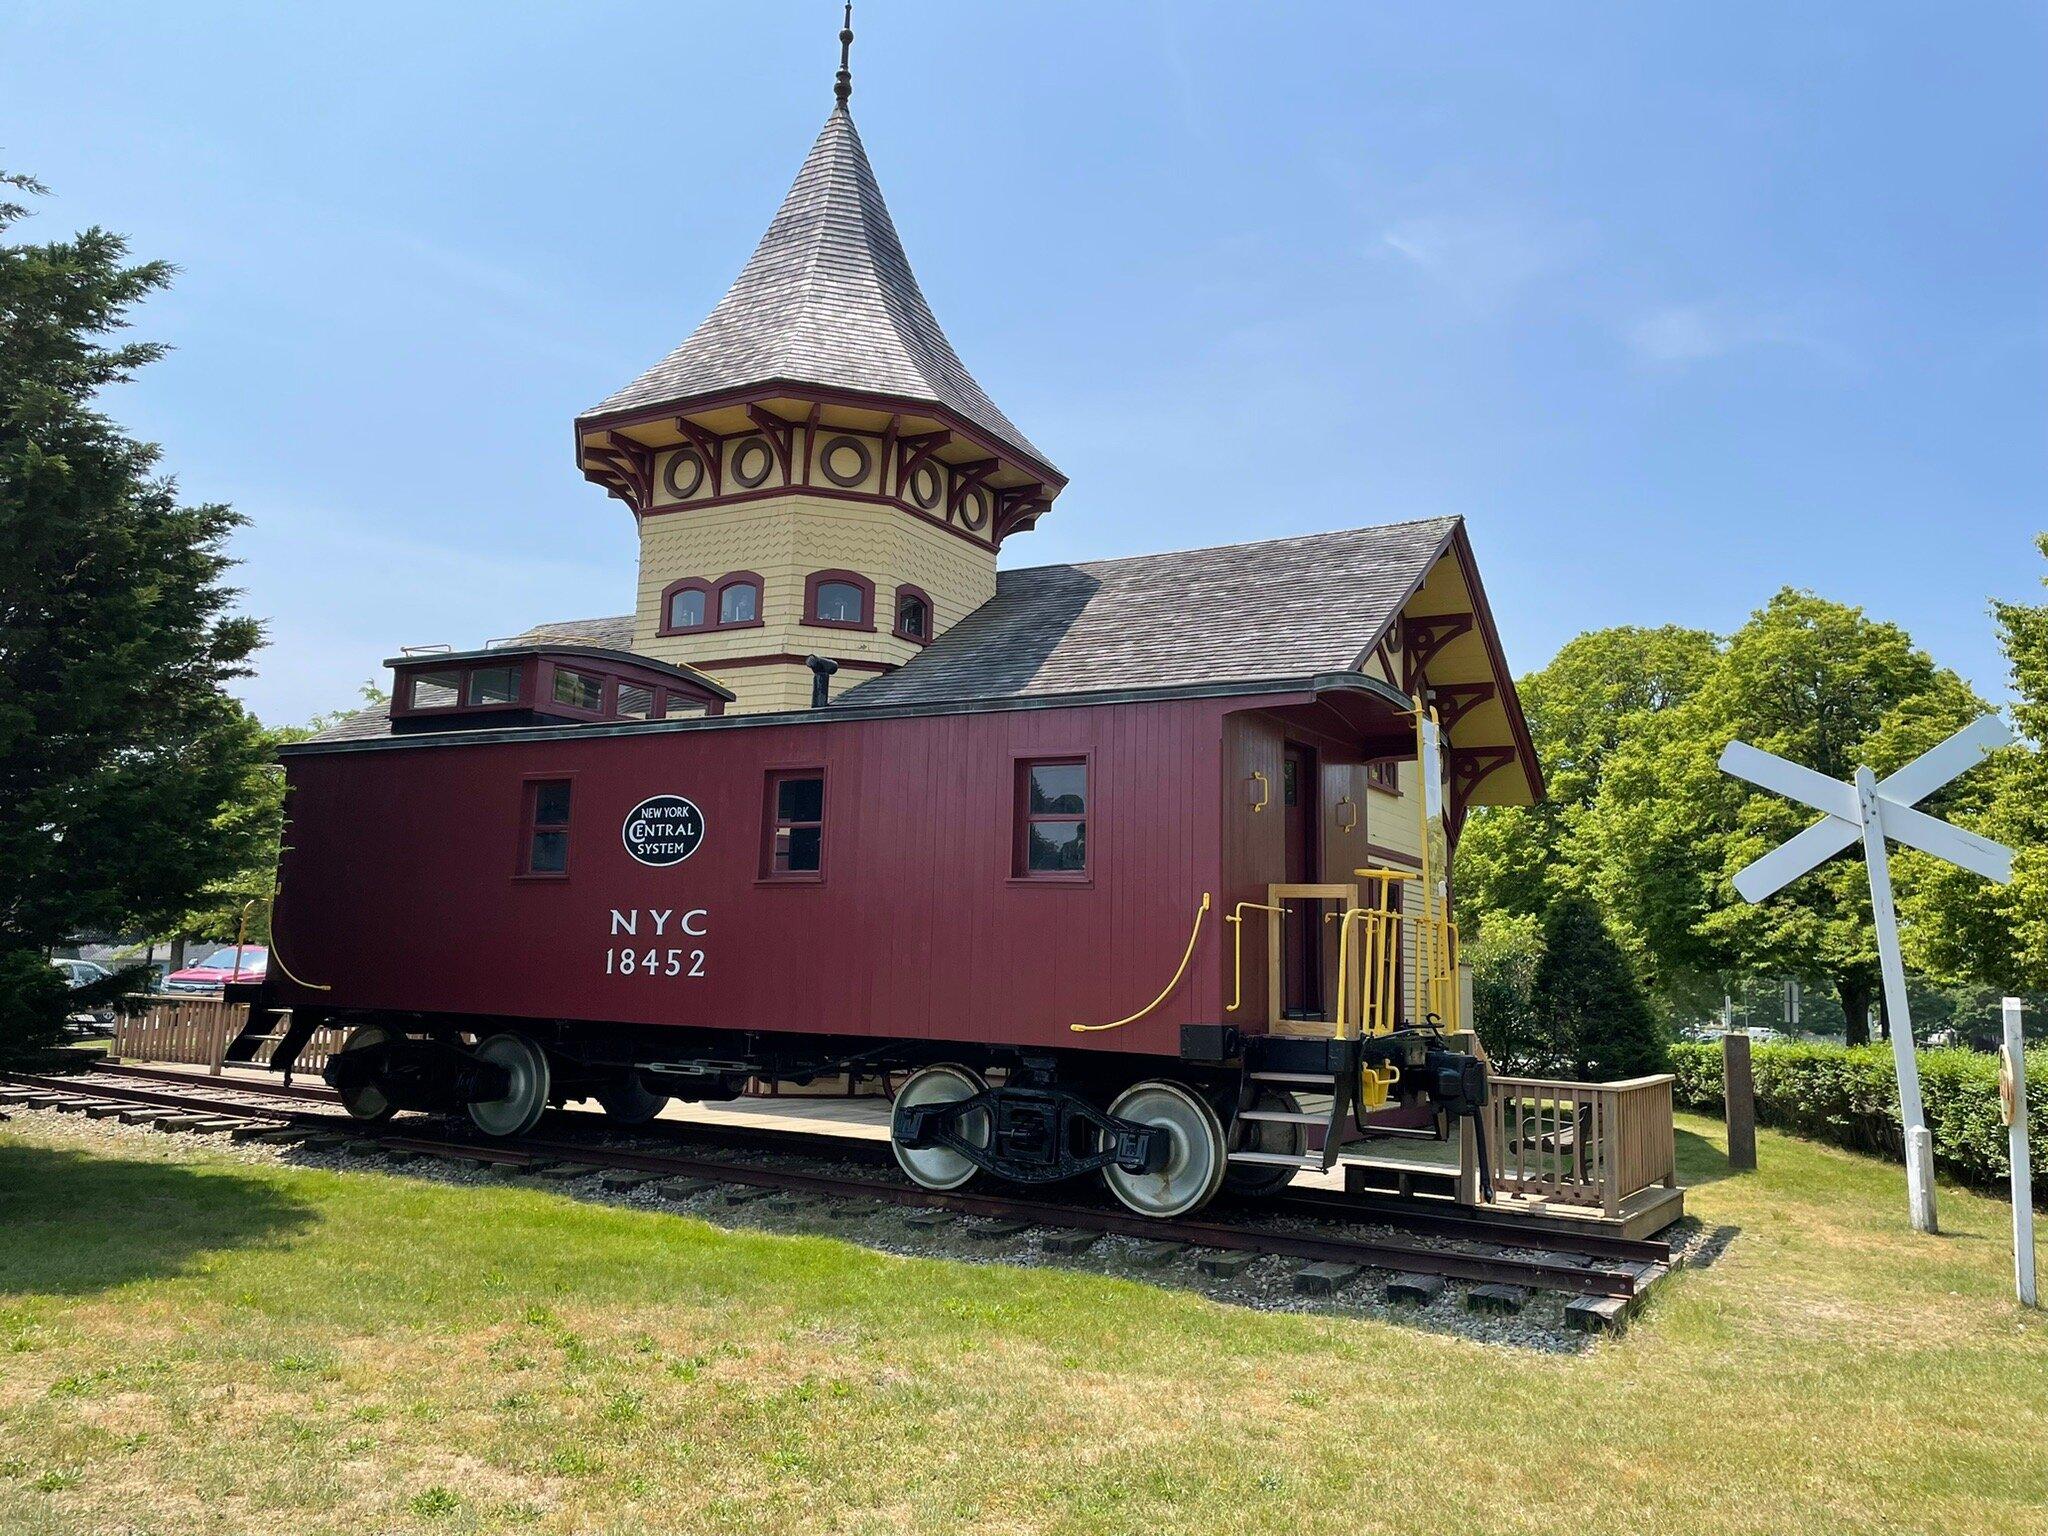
(1279,608)
(827,299)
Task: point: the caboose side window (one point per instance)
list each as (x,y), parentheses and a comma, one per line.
(796,825)
(1052,819)
(544,849)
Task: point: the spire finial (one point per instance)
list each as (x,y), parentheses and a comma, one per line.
(843,86)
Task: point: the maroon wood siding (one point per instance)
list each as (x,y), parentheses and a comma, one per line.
(399,888)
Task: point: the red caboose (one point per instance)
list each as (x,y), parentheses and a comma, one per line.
(1127,866)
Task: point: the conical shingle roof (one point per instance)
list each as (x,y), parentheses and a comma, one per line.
(827,299)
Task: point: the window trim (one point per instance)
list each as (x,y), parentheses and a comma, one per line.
(904,590)
(773,777)
(818,579)
(738,579)
(529,804)
(714,598)
(1021,764)
(1384,775)
(668,596)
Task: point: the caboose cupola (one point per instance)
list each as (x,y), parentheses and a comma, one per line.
(814,470)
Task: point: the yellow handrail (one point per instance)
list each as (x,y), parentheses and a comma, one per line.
(1236,919)
(1181,970)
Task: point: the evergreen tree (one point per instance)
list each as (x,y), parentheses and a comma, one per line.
(1587,999)
(119,749)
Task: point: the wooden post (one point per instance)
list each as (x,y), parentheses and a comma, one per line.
(2014,1106)
(1738,1093)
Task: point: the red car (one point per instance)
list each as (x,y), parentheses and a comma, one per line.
(209,975)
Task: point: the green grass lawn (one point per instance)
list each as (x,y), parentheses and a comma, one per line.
(195,1344)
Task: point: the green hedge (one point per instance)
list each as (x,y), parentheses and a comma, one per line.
(1849,1096)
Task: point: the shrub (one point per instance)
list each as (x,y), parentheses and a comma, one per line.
(1848,1095)
(1586,995)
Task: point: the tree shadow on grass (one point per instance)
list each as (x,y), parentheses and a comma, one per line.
(75,1224)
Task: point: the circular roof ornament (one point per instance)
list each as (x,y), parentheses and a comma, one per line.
(834,461)
(926,486)
(672,473)
(751,462)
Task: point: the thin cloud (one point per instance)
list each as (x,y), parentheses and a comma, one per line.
(1483,264)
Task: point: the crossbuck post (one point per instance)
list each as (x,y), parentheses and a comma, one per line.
(1876,809)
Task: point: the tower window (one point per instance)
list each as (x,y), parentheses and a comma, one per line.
(913,615)
(839,600)
(687,608)
(838,603)
(739,602)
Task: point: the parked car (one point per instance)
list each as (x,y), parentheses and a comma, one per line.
(222,966)
(83,973)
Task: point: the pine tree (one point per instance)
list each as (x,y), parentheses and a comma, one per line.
(119,748)
(1587,999)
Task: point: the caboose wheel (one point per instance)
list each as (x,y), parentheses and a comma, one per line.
(1280,1136)
(631,1102)
(941,1167)
(526,1095)
(1195,1160)
(368,1102)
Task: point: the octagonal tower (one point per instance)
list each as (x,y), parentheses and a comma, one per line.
(813,471)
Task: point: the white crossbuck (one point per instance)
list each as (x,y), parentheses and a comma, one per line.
(1874,809)
(1892,798)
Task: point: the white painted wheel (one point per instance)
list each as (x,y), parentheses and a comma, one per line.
(526,1096)
(632,1102)
(1195,1159)
(941,1167)
(1279,1136)
(368,1102)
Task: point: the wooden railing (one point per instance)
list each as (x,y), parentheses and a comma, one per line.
(1581,1143)
(196,1031)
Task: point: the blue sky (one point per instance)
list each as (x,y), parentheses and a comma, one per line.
(1676,304)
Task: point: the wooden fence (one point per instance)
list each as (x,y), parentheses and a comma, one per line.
(196,1032)
(1581,1143)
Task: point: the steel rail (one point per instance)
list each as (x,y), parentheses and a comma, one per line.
(1373,1253)
(1509,1229)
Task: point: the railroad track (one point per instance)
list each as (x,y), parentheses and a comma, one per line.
(1613,1272)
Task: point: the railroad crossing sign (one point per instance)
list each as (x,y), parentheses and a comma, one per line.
(1875,809)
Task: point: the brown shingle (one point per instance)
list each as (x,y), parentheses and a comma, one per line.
(828,298)
(1275,609)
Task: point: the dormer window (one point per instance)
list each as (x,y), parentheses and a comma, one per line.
(839,600)
(913,615)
